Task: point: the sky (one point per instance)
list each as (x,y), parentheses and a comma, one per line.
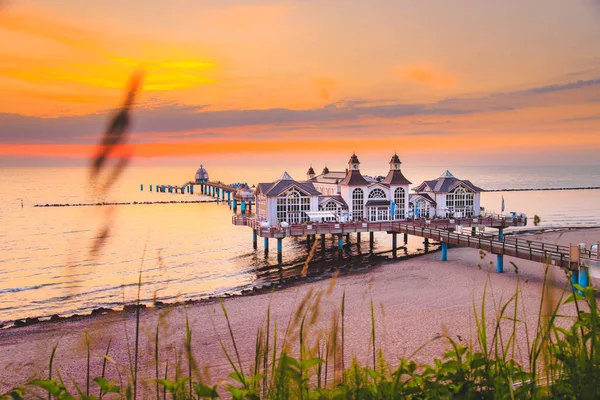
(269,82)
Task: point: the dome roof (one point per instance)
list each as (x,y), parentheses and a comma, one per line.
(311,171)
(325,170)
(201,174)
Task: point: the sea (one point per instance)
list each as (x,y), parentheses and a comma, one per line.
(48,265)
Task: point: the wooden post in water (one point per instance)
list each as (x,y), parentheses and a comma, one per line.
(371,241)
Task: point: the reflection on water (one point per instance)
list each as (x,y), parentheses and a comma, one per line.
(192,250)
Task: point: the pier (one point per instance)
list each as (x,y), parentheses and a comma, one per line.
(460,232)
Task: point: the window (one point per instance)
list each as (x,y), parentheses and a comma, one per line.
(421,209)
(292,207)
(399,199)
(358,204)
(460,200)
(377,194)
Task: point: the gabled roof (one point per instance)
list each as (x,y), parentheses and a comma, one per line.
(354,178)
(337,198)
(375,184)
(330,177)
(424,196)
(445,183)
(286,182)
(395,177)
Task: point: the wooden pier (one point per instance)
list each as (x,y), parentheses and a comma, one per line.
(446,232)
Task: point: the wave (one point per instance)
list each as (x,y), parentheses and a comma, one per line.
(21,289)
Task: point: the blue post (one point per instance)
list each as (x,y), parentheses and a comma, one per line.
(142,186)
(279,248)
(234,206)
(150,187)
(170,189)
(243,207)
(444,251)
(574,277)
(254,239)
(499,263)
(474,231)
(501,234)
(266,244)
(583,277)
(340,242)
(191,189)
(228,196)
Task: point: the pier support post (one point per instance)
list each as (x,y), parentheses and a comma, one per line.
(243,207)
(371,240)
(405,238)
(254,239)
(474,231)
(323,242)
(340,242)
(499,263)
(501,234)
(444,251)
(394,243)
(426,242)
(234,206)
(266,242)
(279,250)
(228,196)
(583,277)
(574,277)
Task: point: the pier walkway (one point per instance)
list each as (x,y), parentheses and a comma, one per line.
(446,232)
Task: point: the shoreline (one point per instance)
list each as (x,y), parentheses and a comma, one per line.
(415,300)
(256,288)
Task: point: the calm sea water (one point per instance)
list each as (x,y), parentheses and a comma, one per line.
(191,250)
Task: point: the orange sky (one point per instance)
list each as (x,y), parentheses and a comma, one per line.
(466,82)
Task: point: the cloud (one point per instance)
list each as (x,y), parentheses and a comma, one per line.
(430,122)
(425,74)
(586,118)
(187,121)
(15,128)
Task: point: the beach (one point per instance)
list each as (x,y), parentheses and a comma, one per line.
(415,300)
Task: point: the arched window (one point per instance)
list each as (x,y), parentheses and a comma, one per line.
(460,200)
(292,206)
(331,206)
(399,199)
(377,194)
(358,204)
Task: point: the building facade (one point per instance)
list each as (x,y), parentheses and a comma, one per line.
(446,196)
(335,196)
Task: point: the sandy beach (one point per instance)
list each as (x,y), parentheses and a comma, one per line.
(415,300)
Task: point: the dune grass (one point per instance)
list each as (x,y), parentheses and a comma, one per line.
(307,362)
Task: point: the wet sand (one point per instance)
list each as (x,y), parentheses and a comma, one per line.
(415,300)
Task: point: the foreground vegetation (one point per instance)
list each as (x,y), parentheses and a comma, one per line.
(303,362)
